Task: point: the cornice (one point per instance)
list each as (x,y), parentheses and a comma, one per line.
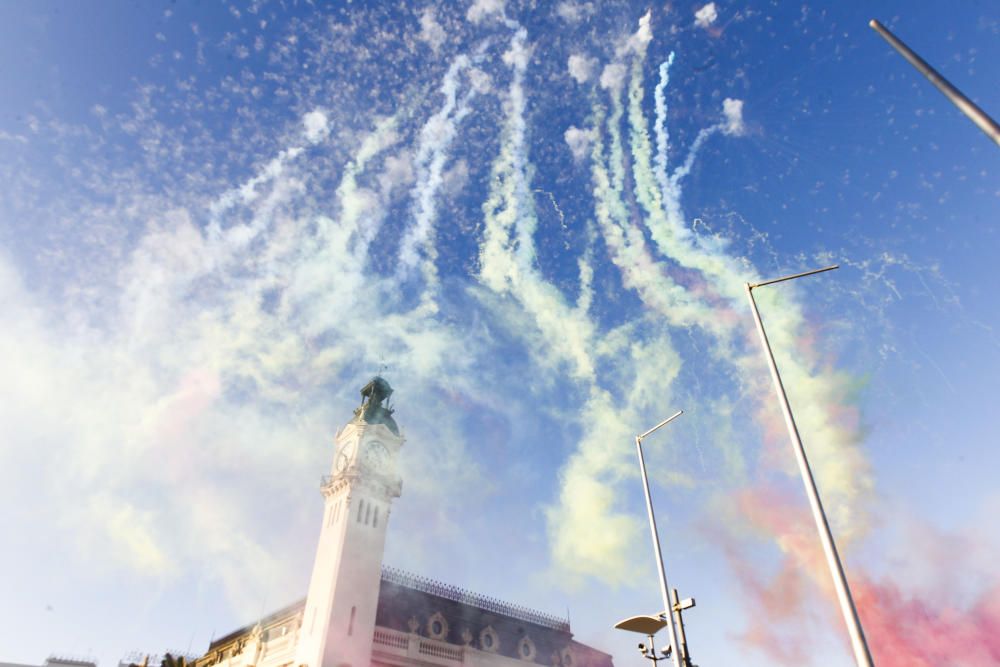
(380,485)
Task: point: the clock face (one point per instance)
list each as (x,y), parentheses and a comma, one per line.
(375,456)
(344,457)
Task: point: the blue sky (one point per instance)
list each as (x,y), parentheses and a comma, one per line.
(217,222)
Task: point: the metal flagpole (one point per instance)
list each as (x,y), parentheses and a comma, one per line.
(667,606)
(850,613)
(964,104)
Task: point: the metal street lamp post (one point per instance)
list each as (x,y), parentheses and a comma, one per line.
(664,589)
(850,613)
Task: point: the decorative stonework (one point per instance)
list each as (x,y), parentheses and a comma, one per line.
(489,640)
(466,636)
(567,657)
(413,624)
(437,626)
(526,649)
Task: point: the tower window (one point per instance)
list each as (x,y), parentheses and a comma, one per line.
(375,519)
(361,510)
(350,626)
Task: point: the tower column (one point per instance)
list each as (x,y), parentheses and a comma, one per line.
(339,616)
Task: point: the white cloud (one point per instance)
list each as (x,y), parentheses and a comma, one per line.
(480,81)
(397,171)
(6,136)
(430,30)
(154,406)
(638,41)
(518,55)
(317,126)
(455,178)
(581,68)
(613,77)
(574,12)
(733,112)
(579,142)
(706,16)
(484,9)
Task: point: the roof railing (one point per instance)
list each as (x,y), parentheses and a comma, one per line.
(450,592)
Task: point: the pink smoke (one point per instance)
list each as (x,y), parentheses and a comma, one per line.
(904,631)
(902,628)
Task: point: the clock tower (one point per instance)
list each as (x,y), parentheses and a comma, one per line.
(339,616)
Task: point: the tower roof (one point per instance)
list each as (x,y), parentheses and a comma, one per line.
(371,410)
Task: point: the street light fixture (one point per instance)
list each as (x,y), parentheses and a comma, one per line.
(650,625)
(847,608)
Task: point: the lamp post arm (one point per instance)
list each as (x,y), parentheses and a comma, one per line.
(794,276)
(662,423)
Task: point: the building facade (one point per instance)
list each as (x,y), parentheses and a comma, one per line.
(358,613)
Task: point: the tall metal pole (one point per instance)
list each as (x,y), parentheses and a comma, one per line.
(964,104)
(667,606)
(850,613)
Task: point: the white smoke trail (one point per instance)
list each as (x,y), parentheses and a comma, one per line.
(664,216)
(710,304)
(507,252)
(662,130)
(842,469)
(587,528)
(357,205)
(625,238)
(436,138)
(696,145)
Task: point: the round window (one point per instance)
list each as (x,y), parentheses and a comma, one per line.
(489,641)
(436,628)
(525,649)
